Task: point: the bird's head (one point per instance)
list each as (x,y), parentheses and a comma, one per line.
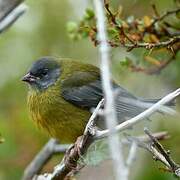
(43,73)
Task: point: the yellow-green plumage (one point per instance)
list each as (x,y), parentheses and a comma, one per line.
(63,91)
(52,112)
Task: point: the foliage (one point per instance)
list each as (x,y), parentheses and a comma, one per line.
(158,35)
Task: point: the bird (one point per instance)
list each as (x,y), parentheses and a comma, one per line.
(62,93)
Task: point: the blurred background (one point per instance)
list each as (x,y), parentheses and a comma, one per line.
(42,31)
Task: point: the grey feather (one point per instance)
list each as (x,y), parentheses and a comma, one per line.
(127,105)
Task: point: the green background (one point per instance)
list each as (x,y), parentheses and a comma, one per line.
(42,31)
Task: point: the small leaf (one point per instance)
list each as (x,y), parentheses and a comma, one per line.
(89,14)
(147,21)
(125,25)
(112,32)
(84,34)
(72,27)
(153,38)
(126,62)
(119,22)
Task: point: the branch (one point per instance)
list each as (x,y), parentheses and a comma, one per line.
(129,123)
(144,139)
(132,155)
(6,6)
(119,27)
(162,44)
(10,11)
(110,116)
(135,44)
(51,148)
(69,164)
(66,169)
(160,18)
(168,43)
(161,154)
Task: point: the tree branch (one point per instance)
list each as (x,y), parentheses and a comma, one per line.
(161,154)
(131,122)
(110,116)
(168,43)
(10,11)
(51,148)
(167,13)
(69,164)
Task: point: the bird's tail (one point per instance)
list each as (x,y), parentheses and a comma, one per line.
(167,108)
(153,101)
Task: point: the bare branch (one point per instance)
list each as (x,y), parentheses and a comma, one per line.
(161,44)
(109,107)
(10,11)
(132,154)
(12,17)
(158,151)
(91,123)
(42,158)
(162,155)
(167,13)
(129,123)
(69,163)
(6,6)
(144,139)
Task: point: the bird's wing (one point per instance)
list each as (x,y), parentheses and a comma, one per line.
(83,89)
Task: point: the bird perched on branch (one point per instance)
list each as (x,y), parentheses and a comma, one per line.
(62,93)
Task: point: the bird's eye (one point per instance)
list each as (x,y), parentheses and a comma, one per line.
(44,72)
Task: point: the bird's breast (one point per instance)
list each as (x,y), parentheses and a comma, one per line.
(58,117)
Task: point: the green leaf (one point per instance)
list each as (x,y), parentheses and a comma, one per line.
(126,62)
(119,22)
(112,31)
(72,27)
(89,14)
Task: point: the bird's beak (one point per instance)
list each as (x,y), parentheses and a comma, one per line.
(29,78)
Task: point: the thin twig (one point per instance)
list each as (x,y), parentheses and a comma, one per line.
(132,154)
(51,148)
(163,155)
(161,44)
(171,164)
(6,6)
(91,123)
(131,122)
(167,13)
(12,17)
(120,28)
(147,145)
(144,139)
